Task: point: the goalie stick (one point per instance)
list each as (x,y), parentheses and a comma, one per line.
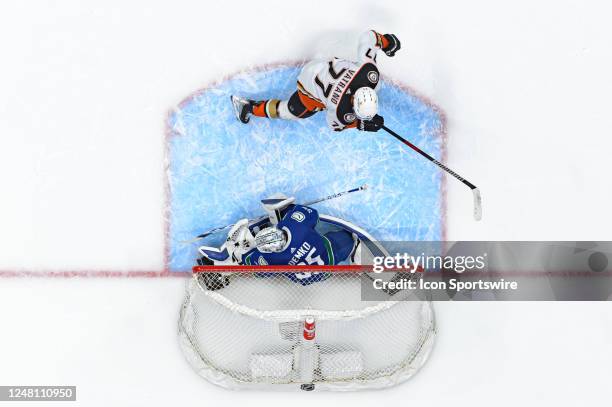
(475,191)
(316,201)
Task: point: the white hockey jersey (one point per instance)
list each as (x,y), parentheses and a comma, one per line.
(329,84)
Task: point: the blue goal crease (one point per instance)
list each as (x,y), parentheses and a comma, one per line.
(220,169)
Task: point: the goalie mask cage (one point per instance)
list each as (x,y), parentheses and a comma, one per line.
(267,329)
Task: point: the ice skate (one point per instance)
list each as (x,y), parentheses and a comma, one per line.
(243,108)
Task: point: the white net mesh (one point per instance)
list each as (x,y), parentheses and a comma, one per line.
(249,333)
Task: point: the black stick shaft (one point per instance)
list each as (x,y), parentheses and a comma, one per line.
(430,158)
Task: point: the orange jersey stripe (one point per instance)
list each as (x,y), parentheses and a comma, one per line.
(309,102)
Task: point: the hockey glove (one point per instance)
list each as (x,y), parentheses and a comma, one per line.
(239,240)
(393,45)
(374,124)
(205,261)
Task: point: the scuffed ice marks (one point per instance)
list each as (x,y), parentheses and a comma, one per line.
(219,168)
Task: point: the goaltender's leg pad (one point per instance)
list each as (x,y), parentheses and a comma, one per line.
(342,244)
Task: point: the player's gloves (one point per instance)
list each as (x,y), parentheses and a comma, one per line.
(205,261)
(374,124)
(239,240)
(393,44)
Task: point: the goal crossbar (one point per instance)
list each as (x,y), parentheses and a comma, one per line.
(353,268)
(282,269)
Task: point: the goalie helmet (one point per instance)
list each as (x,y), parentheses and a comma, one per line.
(365,103)
(270,240)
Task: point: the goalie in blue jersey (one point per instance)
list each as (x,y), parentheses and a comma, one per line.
(290,239)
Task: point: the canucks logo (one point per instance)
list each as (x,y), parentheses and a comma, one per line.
(373,76)
(262,261)
(298,216)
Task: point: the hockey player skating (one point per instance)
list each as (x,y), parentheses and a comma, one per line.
(291,239)
(346,89)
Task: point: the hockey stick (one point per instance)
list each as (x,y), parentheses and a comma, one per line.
(475,190)
(337,195)
(316,201)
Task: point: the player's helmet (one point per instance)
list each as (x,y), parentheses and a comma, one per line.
(365,103)
(270,240)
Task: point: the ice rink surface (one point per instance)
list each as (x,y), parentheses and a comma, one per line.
(86,88)
(220,169)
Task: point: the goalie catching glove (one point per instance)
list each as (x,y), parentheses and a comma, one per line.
(239,240)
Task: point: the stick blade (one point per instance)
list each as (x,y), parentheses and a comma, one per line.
(477,204)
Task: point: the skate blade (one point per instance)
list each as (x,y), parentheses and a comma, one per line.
(238,103)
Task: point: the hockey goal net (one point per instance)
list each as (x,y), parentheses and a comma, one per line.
(305,330)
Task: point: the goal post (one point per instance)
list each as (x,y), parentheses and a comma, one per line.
(301,328)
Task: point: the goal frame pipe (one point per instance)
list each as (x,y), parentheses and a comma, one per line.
(348,268)
(352,268)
